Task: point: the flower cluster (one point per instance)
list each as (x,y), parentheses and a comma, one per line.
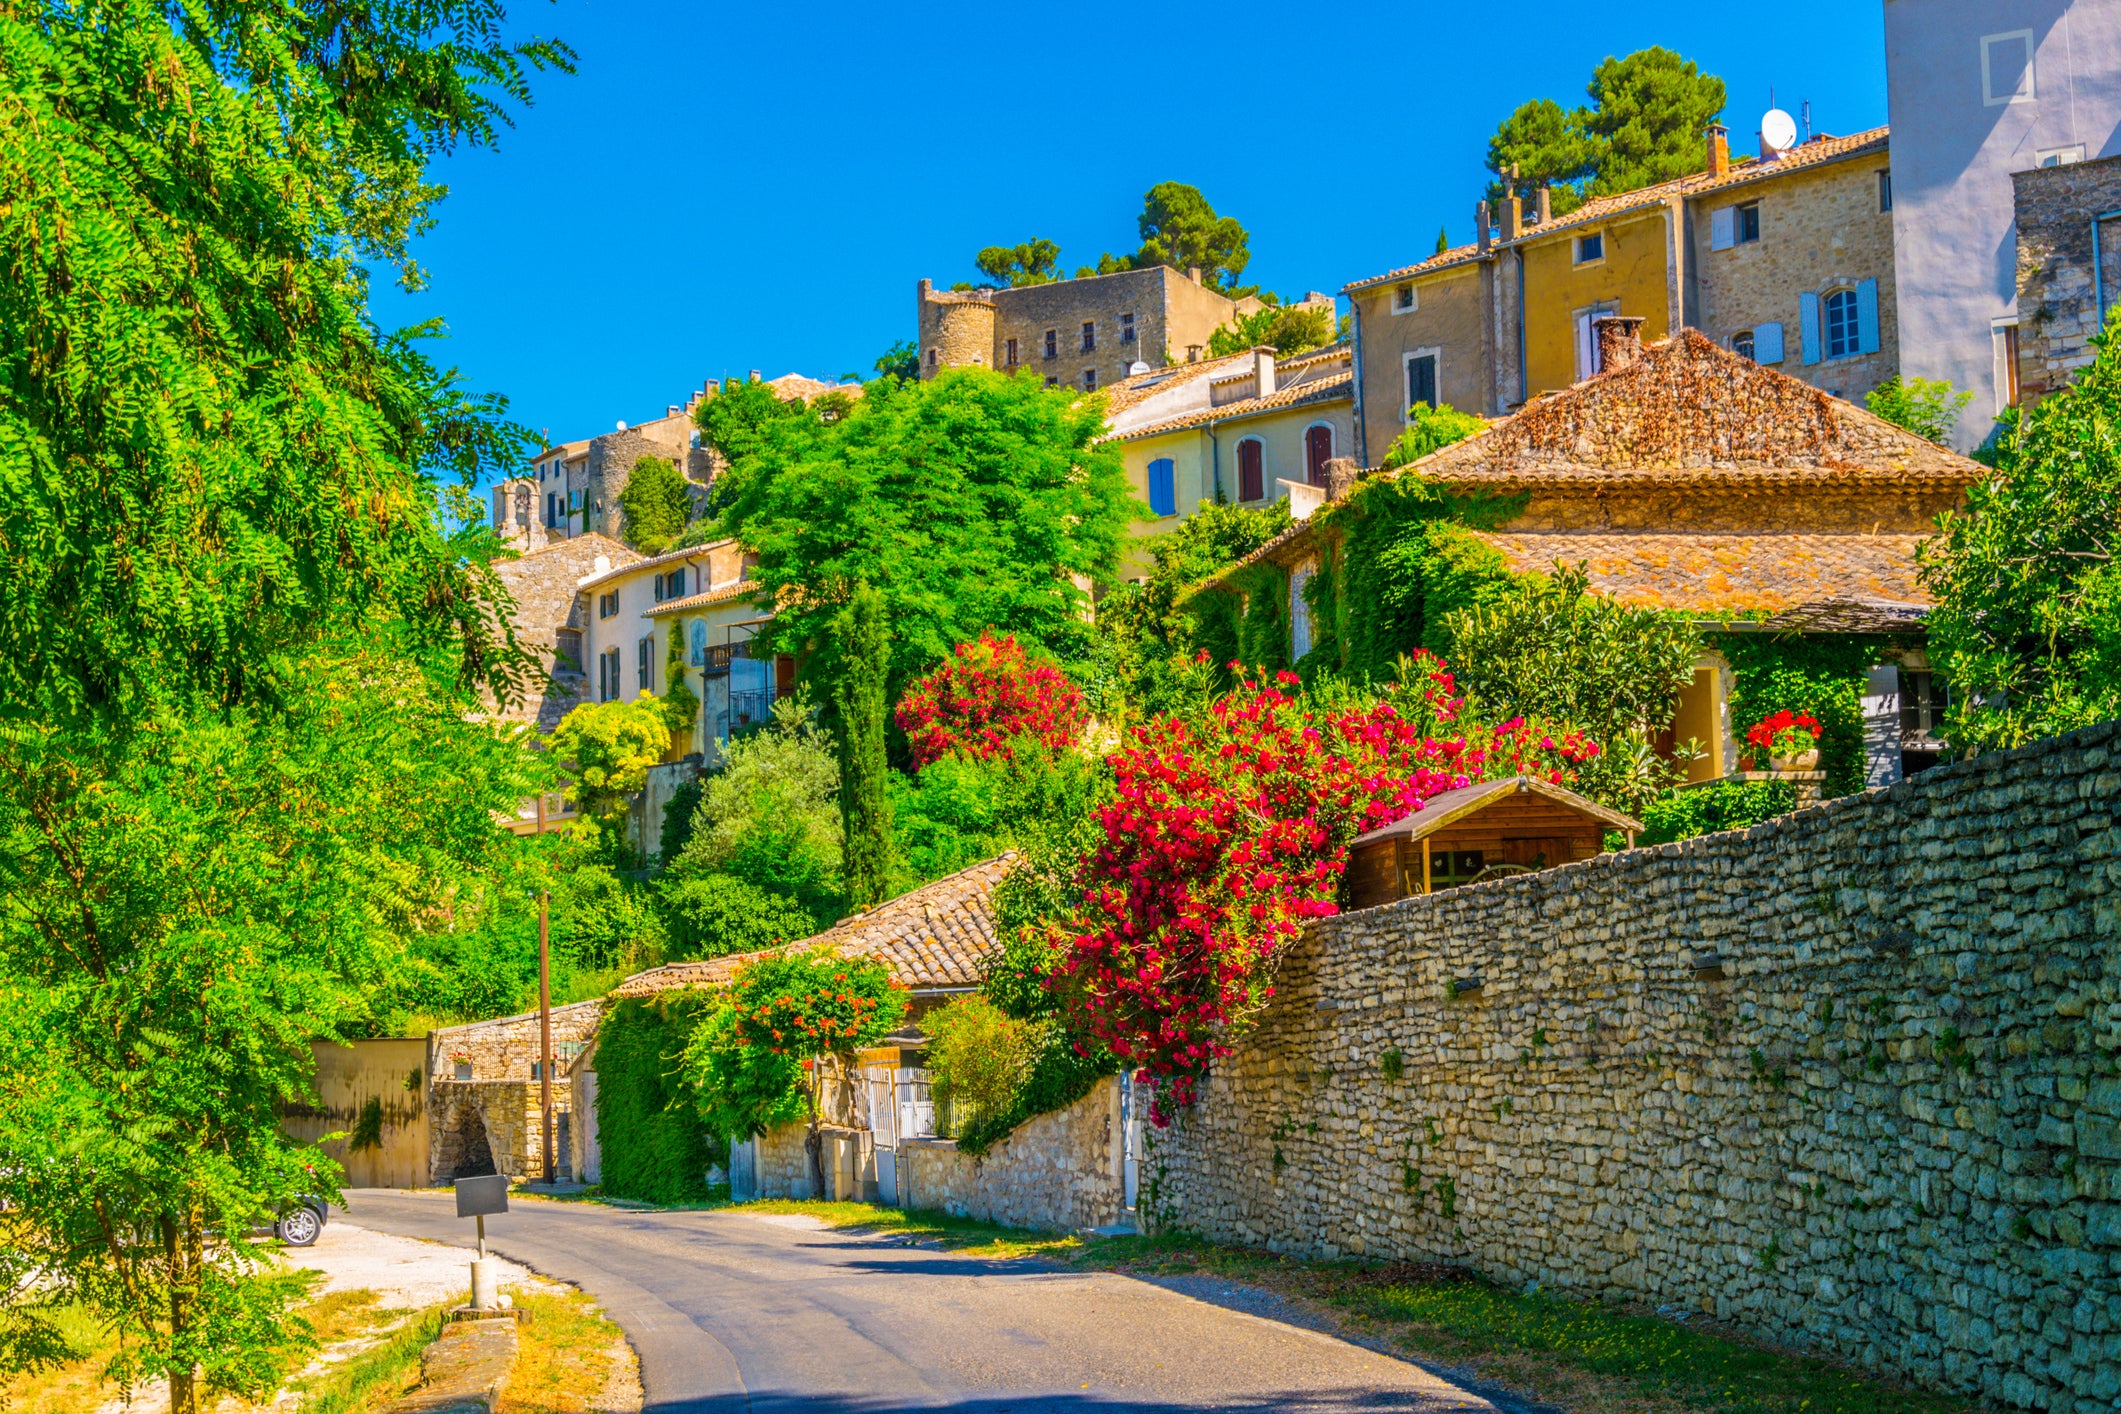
(1228,833)
(804,1004)
(985,698)
(1785,734)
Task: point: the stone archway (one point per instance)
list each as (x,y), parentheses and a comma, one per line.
(462,1147)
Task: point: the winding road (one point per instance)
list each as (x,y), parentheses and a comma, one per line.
(734,1311)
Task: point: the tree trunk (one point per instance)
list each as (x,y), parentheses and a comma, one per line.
(814,1141)
(179,1252)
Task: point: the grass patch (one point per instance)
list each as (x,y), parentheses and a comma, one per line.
(375,1377)
(1582,1355)
(565,1355)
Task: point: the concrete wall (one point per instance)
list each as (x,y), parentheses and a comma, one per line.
(1850,1079)
(1060,1171)
(2058,295)
(1821,229)
(1450,318)
(391,1072)
(1954,150)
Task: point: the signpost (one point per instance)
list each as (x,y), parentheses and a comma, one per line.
(476,1197)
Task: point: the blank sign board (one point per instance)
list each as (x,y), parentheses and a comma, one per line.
(482,1197)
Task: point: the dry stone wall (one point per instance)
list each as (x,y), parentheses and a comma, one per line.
(1848,1079)
(1058,1171)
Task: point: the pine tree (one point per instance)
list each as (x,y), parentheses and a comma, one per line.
(862,641)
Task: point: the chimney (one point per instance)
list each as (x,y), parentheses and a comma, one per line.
(1719,150)
(1193,273)
(1544,207)
(1480,223)
(1619,341)
(754,375)
(1262,372)
(1512,217)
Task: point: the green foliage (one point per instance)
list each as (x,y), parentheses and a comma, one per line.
(901,360)
(1179,229)
(1643,125)
(367,1131)
(1443,239)
(744,1090)
(1548,649)
(862,643)
(677,820)
(978,1057)
(771,815)
(655,1146)
(1035,262)
(681,705)
(970,500)
(745,415)
(1152,630)
(654,505)
(2027,627)
(1287,328)
(1263,631)
(606,749)
(1706,809)
(1820,674)
(714,915)
(959,811)
(1926,407)
(1430,429)
(1056,1077)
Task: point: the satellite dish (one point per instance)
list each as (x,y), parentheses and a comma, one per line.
(1137,368)
(1778,131)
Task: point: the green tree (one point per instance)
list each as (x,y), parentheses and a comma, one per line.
(901,360)
(1288,328)
(2027,627)
(606,749)
(714,915)
(862,645)
(239,647)
(1035,262)
(654,506)
(1431,429)
(1180,229)
(736,419)
(1926,407)
(1644,124)
(970,500)
(770,816)
(979,1057)
(1443,238)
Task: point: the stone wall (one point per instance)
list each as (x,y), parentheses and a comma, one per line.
(506,1048)
(1059,1171)
(2058,305)
(550,618)
(1847,1079)
(495,1110)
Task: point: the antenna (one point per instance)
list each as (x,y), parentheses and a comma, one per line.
(1806,108)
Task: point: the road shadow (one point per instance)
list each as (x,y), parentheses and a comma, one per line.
(1278,1402)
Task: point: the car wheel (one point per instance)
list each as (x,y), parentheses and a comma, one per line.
(299,1228)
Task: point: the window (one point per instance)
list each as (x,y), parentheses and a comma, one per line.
(607,675)
(1841,336)
(676,583)
(1251,470)
(2003,335)
(1126,328)
(1885,189)
(931,358)
(1924,698)
(1318,450)
(644,668)
(1404,300)
(1163,488)
(1052,380)
(2058,156)
(1590,248)
(1300,612)
(608,605)
(1053,343)
(1089,336)
(1742,344)
(1747,222)
(1089,379)
(2007,67)
(1421,380)
(552,508)
(1009,354)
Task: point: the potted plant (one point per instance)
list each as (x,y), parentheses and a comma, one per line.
(1791,740)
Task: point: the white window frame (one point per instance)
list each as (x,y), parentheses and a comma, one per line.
(2001,369)
(1576,254)
(1413,301)
(2058,156)
(2030,91)
(1406,363)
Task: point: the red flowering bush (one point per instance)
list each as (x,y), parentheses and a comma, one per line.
(1228,832)
(986,697)
(1785,734)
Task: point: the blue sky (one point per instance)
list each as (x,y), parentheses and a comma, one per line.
(725,188)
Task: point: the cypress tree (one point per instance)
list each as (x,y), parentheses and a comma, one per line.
(862,639)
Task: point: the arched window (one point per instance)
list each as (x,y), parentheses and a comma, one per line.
(1843,324)
(1318,450)
(1251,470)
(1163,487)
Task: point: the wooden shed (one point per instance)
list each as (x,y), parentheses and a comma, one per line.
(1511,826)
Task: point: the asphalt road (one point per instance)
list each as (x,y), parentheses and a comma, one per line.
(735,1312)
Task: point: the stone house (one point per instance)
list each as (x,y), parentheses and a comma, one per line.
(2069,270)
(1691,478)
(553,620)
(1248,429)
(485,1093)
(1086,333)
(1787,259)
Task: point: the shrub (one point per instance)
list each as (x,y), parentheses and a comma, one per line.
(655,504)
(607,748)
(1926,407)
(771,815)
(743,1090)
(1704,810)
(978,1058)
(990,700)
(713,915)
(1431,429)
(1058,1074)
(655,1146)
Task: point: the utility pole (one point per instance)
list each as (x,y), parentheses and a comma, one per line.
(545,1012)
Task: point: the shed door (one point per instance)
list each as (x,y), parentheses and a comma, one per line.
(1542,853)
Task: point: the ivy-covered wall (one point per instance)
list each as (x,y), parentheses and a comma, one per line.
(1822,674)
(655,1146)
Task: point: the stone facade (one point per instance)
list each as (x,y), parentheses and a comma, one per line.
(1850,1079)
(1443,312)
(608,466)
(484,1101)
(2058,299)
(551,619)
(518,515)
(1059,1171)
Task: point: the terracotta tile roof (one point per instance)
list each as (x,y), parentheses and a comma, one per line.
(704,599)
(1447,808)
(1334,387)
(1745,172)
(1723,573)
(939,936)
(668,557)
(1325,353)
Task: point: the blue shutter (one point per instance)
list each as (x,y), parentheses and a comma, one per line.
(1808,312)
(1163,489)
(1767,343)
(1867,316)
